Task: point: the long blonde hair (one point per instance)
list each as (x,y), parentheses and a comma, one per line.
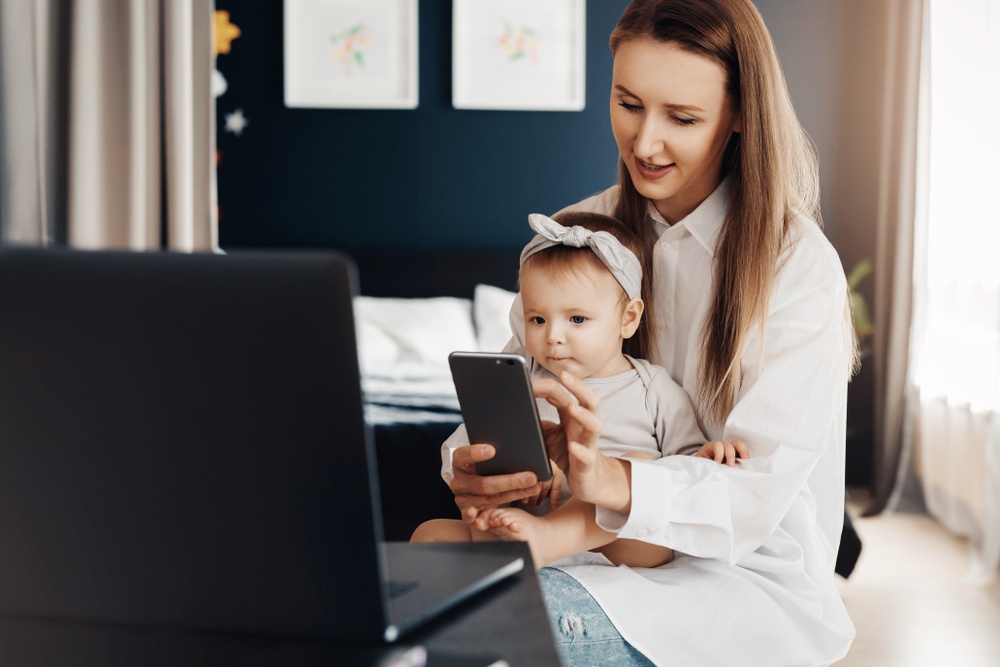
(771,165)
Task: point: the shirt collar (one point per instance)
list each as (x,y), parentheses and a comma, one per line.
(705,222)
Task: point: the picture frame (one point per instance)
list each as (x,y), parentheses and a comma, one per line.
(519,55)
(351,54)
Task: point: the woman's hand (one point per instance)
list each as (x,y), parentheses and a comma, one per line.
(475,493)
(592,477)
(577,419)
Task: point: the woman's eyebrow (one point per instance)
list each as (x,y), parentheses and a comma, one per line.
(684,107)
(625,91)
(676,107)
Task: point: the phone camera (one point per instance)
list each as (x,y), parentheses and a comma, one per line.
(510,362)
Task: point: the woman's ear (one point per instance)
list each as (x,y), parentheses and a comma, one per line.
(631,316)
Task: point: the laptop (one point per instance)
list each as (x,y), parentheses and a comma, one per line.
(183,445)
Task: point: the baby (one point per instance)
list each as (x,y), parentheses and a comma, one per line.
(581,285)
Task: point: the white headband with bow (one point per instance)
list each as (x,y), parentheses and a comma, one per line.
(621,261)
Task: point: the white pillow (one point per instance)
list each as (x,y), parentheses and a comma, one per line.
(396,334)
(491,310)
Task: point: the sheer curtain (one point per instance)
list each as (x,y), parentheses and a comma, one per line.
(957,279)
(107,124)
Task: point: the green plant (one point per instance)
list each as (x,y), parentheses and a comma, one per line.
(859,309)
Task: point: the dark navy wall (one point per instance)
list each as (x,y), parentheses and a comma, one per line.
(429,178)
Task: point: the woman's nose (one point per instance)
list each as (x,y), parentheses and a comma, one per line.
(650,139)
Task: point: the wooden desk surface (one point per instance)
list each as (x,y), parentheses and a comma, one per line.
(508,621)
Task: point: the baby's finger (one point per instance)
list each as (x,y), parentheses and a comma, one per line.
(741,449)
(716,451)
(531,502)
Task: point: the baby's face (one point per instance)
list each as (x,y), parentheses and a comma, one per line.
(573,321)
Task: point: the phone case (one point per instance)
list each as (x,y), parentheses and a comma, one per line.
(498,407)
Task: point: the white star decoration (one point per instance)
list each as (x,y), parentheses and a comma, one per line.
(236,122)
(219,84)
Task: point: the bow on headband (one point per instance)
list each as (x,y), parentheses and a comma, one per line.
(621,261)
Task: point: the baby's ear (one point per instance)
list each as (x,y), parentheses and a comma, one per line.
(631,316)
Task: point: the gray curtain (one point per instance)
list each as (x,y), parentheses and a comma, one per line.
(873,176)
(894,258)
(107,124)
(897,220)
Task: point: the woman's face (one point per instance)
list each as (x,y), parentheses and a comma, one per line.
(671,119)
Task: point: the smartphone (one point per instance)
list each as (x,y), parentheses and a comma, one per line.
(498,407)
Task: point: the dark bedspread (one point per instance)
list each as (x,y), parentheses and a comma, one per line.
(410,475)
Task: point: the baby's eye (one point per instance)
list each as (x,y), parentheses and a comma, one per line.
(537,320)
(578,319)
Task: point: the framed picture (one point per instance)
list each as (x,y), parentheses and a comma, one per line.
(359,54)
(519,54)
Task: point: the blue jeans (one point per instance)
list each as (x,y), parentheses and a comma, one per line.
(584,635)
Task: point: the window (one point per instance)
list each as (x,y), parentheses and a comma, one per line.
(959,355)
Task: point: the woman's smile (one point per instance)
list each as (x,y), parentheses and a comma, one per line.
(651,172)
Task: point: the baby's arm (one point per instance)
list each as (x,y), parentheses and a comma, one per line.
(725,452)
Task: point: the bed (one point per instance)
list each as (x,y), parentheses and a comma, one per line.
(415,308)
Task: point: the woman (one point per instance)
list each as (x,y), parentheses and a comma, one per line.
(752,319)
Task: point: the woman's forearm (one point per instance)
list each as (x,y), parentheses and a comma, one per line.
(617,495)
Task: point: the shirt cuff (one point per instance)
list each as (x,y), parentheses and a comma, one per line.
(457,439)
(650,504)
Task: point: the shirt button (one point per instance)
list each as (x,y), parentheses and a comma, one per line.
(660,324)
(642,533)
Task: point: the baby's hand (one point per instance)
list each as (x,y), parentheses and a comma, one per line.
(725,452)
(551,489)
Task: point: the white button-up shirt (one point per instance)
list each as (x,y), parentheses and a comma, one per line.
(753,580)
